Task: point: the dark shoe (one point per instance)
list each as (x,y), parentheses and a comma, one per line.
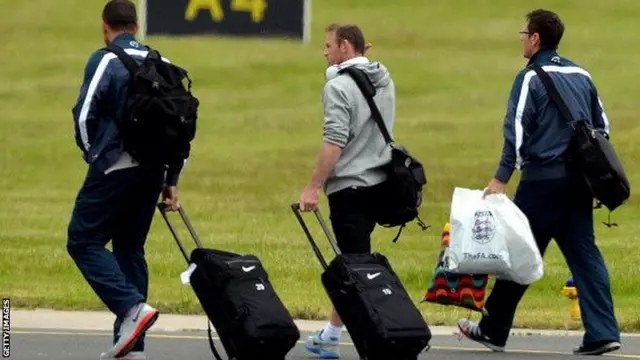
(597,348)
(472,331)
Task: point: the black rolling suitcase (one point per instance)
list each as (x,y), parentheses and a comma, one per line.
(378,313)
(237,297)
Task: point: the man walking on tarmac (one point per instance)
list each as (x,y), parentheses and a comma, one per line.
(349,166)
(119,196)
(556,202)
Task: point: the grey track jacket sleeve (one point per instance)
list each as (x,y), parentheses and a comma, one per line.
(336,115)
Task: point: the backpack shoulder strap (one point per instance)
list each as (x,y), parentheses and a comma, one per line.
(126,59)
(368,90)
(553,93)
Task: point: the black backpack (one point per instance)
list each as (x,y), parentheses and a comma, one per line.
(159,119)
(405,174)
(591,154)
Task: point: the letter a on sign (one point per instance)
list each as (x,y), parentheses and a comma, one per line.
(195,6)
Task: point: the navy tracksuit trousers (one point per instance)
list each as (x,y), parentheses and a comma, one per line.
(116,207)
(562,209)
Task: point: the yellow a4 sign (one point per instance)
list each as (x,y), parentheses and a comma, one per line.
(256,8)
(245,18)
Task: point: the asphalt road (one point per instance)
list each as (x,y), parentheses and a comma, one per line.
(28,344)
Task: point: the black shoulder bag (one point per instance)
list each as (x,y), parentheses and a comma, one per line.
(591,154)
(405,174)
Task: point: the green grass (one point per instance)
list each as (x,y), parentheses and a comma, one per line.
(260,128)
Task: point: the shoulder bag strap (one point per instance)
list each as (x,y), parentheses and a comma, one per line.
(368,90)
(553,93)
(126,59)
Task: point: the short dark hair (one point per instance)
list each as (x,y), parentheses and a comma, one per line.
(549,27)
(120,15)
(352,33)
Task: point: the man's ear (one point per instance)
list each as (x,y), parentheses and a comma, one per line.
(367,46)
(344,45)
(105,28)
(536,37)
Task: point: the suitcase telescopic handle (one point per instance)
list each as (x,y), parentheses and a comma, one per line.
(163,210)
(298,213)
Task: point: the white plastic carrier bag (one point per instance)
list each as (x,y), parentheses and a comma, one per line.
(478,241)
(526,260)
(491,236)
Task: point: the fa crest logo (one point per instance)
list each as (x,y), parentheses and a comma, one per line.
(484,227)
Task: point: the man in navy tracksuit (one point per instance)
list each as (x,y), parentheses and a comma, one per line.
(118,197)
(556,203)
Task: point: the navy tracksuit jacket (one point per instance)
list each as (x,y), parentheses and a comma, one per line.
(535,134)
(556,203)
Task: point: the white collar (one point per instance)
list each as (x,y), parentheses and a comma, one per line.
(332,71)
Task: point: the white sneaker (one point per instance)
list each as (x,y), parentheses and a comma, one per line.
(134,355)
(325,349)
(142,318)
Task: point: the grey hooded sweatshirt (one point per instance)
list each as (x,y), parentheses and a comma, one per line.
(348,124)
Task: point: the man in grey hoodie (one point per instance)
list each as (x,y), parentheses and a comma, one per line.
(349,166)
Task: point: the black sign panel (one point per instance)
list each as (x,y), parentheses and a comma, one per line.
(278,18)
